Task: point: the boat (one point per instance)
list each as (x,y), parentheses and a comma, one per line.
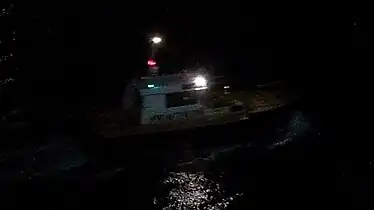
(177,101)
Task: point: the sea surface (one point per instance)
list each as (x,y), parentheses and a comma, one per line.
(279,158)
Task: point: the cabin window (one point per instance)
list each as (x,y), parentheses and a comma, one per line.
(181,99)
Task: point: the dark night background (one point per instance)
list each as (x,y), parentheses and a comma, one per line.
(90,49)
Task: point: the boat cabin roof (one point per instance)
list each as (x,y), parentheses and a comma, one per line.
(164,84)
(166,80)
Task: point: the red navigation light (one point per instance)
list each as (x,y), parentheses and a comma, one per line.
(151,63)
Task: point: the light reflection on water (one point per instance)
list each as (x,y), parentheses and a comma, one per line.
(193,191)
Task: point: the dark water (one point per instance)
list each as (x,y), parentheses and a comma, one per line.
(282,158)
